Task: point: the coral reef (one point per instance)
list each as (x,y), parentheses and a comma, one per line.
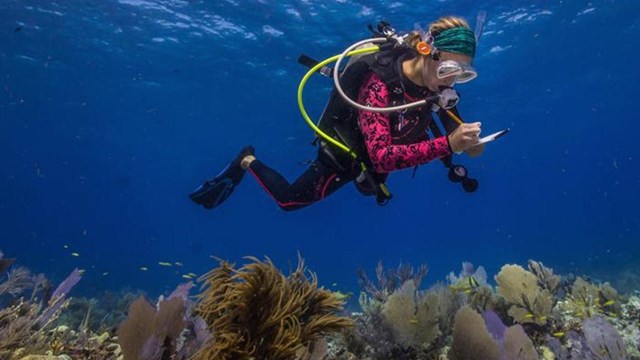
(531,301)
(257,312)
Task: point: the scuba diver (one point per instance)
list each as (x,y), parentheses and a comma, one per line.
(362,142)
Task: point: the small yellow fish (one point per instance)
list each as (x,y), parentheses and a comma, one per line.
(186,277)
(192,274)
(413,321)
(342,296)
(81,271)
(164,263)
(609,303)
(178,263)
(143,268)
(75,254)
(558,334)
(465,285)
(529,316)
(105,273)
(542,318)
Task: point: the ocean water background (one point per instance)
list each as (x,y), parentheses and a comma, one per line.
(111,112)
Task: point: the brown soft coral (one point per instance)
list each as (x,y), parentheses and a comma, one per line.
(256,312)
(530,303)
(149,333)
(471,339)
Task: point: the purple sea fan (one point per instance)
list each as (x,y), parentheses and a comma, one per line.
(495,326)
(555,346)
(68,283)
(512,341)
(603,340)
(201,330)
(182,291)
(467,269)
(58,299)
(152,349)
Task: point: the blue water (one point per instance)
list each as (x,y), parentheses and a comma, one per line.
(111,112)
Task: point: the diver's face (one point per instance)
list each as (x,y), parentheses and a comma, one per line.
(431,67)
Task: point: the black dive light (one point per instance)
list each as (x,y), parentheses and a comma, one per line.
(459,174)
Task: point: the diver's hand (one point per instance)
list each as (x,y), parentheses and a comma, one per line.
(475,150)
(464,137)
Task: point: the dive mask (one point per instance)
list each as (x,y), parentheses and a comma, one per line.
(463,72)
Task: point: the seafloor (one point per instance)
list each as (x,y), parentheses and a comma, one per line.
(257,312)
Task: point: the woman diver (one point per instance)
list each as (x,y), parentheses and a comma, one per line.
(426,67)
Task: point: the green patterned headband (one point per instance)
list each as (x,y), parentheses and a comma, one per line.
(459,40)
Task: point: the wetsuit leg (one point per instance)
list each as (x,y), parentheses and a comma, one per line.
(316,183)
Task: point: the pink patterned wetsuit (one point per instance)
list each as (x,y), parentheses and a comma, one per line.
(386,151)
(393,142)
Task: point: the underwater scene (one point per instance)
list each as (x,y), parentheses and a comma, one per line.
(307,180)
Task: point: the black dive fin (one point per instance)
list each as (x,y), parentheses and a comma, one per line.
(215,191)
